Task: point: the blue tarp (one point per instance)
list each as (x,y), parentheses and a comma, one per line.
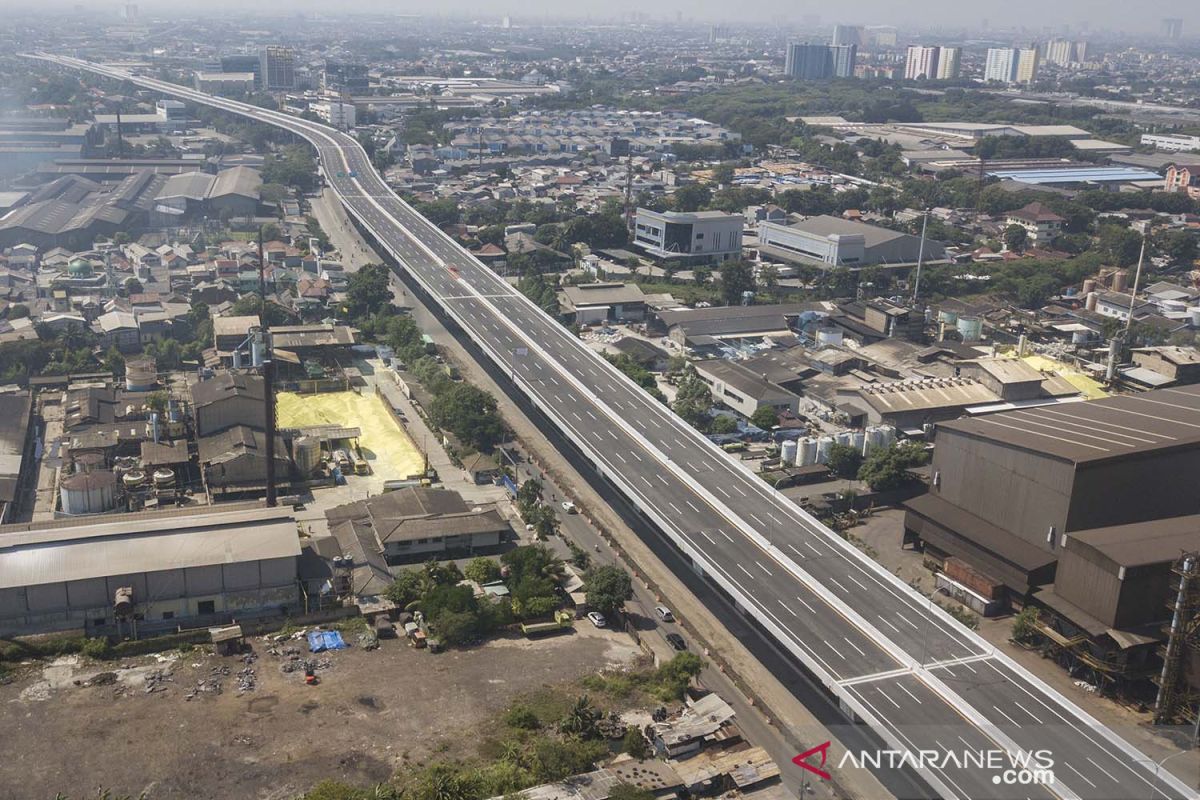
(320,641)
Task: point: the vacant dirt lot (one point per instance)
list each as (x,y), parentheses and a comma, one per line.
(372,712)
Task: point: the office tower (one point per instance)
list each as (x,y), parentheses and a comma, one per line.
(1027,65)
(278,68)
(922,62)
(844,57)
(949,63)
(129,12)
(808,61)
(1001,64)
(847,34)
(345,78)
(506,22)
(1172,28)
(882,36)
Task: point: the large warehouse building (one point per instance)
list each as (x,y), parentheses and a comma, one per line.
(835,242)
(1008,488)
(200,567)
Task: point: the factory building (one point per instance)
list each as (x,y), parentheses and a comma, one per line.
(1009,488)
(833,242)
(228,399)
(154,570)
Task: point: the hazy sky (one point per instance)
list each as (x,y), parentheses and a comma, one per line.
(1141,16)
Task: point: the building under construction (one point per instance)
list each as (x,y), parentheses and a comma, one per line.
(1179,682)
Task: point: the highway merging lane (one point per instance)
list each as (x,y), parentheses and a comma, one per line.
(929,687)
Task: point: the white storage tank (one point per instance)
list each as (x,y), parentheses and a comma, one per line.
(1079,338)
(948,317)
(134,479)
(970,328)
(829,337)
(887,435)
(807,456)
(89,492)
(141,374)
(787,452)
(823,445)
(844,437)
(858,441)
(306,452)
(164,478)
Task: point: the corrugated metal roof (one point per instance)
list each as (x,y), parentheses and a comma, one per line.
(133,544)
(1098,429)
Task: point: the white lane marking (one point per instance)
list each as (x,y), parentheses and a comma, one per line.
(904,689)
(722,491)
(764,569)
(856,580)
(1082,777)
(856,647)
(743,569)
(1102,769)
(740,490)
(1030,713)
(834,581)
(792,547)
(810,546)
(692,506)
(618,455)
(643,478)
(803,603)
(672,505)
(665,482)
(890,625)
(610,433)
(834,649)
(723,533)
(576,416)
(704,533)
(1006,716)
(886,697)
(778,521)
(635,455)
(789,609)
(588,411)
(757,519)
(912,625)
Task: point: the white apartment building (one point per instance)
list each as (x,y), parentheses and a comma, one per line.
(336,113)
(949,63)
(1172,144)
(1001,64)
(1027,65)
(922,62)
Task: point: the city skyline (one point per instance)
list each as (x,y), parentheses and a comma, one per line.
(1059,18)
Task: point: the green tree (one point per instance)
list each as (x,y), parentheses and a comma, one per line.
(407,587)
(538,288)
(1015,238)
(673,677)
(691,197)
(368,291)
(723,423)
(470,414)
(635,745)
(737,277)
(482,570)
(765,417)
(607,587)
(844,460)
(886,468)
(581,719)
(1180,247)
(692,399)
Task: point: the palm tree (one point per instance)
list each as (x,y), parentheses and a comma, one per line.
(581,719)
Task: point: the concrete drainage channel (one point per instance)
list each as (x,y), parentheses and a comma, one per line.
(821,704)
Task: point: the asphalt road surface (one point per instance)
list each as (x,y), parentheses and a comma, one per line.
(967,717)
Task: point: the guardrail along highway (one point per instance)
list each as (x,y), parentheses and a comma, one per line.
(926,684)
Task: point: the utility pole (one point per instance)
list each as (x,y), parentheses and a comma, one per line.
(629,190)
(1137,279)
(920,257)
